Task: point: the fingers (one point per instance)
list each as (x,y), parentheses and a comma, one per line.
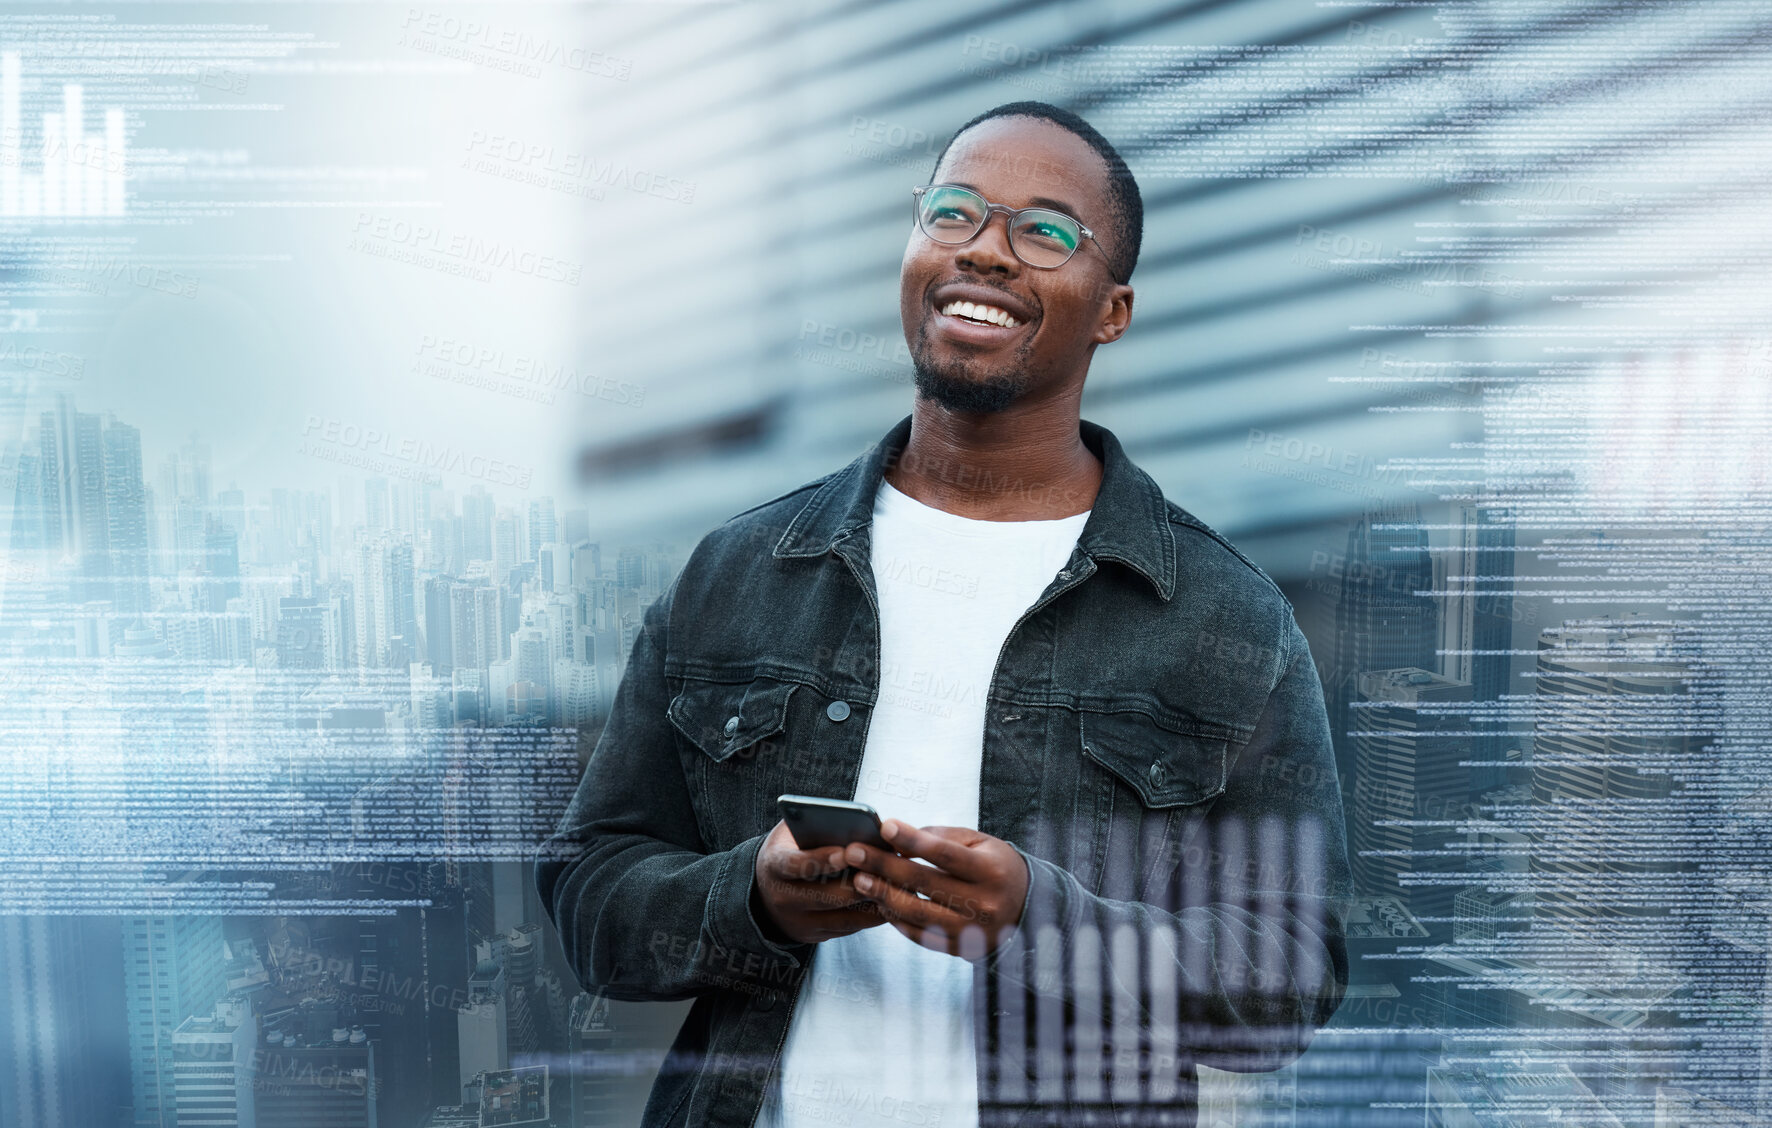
(949,854)
(899,871)
(784,861)
(896,903)
(945,910)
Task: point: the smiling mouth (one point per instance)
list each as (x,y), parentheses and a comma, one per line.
(979,314)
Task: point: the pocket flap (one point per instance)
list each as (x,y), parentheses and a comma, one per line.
(1167,767)
(722,717)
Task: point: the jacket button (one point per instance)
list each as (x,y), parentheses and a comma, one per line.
(1158,773)
(731,725)
(766,1000)
(837,710)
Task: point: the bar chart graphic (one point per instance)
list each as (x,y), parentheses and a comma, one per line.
(67,171)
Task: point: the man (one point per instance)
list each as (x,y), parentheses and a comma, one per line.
(1092,727)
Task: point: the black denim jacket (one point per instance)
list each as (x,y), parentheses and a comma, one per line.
(1156,746)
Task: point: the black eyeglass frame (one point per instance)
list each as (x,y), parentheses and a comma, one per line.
(990,210)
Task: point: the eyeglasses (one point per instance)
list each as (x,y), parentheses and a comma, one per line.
(1039,237)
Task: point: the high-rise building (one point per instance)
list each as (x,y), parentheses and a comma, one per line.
(318,1068)
(301,634)
(386,610)
(212,1067)
(172,969)
(483,1024)
(72,462)
(575,693)
(575,525)
(1613,709)
(51,485)
(1477,621)
(531,653)
(1406,771)
(586,565)
(590,1036)
(221,559)
(377,509)
(477,508)
(341,626)
(126,516)
(507,545)
(543,529)
(439,625)
(475,625)
(1380,621)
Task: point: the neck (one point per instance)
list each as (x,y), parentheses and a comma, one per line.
(1027,463)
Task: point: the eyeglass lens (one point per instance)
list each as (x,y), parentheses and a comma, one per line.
(1037,236)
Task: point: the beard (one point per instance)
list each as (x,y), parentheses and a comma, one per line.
(962,387)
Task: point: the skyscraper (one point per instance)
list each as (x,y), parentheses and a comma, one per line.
(172,969)
(301,634)
(542,526)
(477,509)
(1613,709)
(1380,623)
(1477,620)
(126,514)
(439,625)
(212,1067)
(386,612)
(1405,772)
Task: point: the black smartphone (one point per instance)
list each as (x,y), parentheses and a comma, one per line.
(816,822)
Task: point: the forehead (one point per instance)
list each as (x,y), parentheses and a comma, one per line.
(1023,161)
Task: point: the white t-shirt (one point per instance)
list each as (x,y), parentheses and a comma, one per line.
(882,1032)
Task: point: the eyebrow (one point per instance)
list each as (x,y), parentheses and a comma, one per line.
(1036,201)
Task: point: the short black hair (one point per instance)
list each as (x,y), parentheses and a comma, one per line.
(1128,206)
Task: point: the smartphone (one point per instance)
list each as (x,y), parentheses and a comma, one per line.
(816,822)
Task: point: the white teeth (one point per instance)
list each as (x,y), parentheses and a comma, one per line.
(990,314)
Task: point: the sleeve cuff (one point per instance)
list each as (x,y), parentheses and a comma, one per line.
(1051,901)
(729,922)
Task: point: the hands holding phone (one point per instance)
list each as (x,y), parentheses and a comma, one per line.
(974,891)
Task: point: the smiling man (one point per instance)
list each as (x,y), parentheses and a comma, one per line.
(1093,727)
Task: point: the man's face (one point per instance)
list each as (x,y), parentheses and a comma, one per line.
(1063,313)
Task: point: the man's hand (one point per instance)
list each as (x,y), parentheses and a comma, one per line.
(980,887)
(808,894)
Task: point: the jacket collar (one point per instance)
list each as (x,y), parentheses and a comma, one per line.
(1128,523)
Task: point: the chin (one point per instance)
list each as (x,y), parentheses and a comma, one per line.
(967,394)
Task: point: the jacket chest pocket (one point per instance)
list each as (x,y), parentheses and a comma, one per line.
(1150,783)
(739,758)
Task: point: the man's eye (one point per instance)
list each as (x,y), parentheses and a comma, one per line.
(950,215)
(1052,233)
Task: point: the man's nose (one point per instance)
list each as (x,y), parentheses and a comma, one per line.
(988,252)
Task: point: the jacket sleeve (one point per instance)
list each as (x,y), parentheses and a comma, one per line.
(644,910)
(1243,957)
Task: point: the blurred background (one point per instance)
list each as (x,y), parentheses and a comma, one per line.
(366,370)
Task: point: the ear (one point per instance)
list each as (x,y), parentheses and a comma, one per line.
(1116,314)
